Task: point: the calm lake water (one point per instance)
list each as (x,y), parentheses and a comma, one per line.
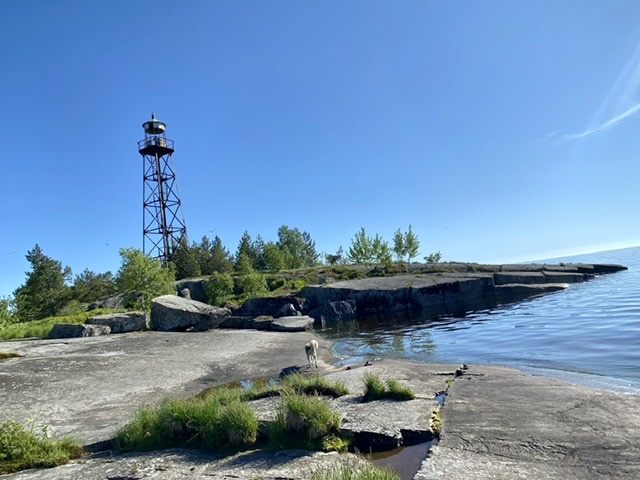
(587,334)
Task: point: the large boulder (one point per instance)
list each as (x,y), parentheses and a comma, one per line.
(121,300)
(197,288)
(288,310)
(334,311)
(121,322)
(68,330)
(173,313)
(254,307)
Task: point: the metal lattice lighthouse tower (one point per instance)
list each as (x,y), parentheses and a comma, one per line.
(163,222)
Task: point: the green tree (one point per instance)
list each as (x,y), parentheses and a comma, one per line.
(212,256)
(298,248)
(434,257)
(90,286)
(246,248)
(336,258)
(7,316)
(45,291)
(399,247)
(185,261)
(248,283)
(361,249)
(220,288)
(381,252)
(140,273)
(412,246)
(273,258)
(258,250)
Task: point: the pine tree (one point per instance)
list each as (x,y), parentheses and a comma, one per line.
(45,291)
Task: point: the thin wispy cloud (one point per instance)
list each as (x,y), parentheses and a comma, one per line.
(622,101)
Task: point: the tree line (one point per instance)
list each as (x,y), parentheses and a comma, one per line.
(50,289)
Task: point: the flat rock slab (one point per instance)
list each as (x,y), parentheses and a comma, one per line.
(178,464)
(121,322)
(298,323)
(88,387)
(502,423)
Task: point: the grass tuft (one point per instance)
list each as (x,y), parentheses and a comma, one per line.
(376,389)
(349,470)
(220,421)
(22,447)
(314,384)
(4,354)
(306,421)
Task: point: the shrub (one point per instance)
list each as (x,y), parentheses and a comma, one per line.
(376,389)
(250,284)
(219,289)
(274,283)
(22,447)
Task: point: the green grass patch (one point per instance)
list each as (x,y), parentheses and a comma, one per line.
(220,422)
(350,470)
(306,421)
(22,447)
(220,418)
(376,389)
(41,328)
(296,383)
(314,384)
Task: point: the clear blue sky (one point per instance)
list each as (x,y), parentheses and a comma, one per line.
(500,130)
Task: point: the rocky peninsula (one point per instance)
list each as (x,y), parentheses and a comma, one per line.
(490,422)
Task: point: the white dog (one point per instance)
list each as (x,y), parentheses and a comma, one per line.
(311,350)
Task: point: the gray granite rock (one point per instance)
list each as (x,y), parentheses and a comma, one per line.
(292,324)
(334,311)
(254,307)
(66,330)
(173,313)
(197,288)
(288,310)
(121,322)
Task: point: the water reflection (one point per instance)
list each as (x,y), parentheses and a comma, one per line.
(407,334)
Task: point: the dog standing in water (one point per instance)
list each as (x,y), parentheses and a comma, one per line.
(311,349)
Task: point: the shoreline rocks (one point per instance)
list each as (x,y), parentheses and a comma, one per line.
(423,291)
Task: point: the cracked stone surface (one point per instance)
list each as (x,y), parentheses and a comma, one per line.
(503,423)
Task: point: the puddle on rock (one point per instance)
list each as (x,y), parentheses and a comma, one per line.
(404,461)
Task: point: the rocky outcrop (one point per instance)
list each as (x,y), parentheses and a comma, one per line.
(271,306)
(460,288)
(335,311)
(67,330)
(288,310)
(173,313)
(197,288)
(121,322)
(121,300)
